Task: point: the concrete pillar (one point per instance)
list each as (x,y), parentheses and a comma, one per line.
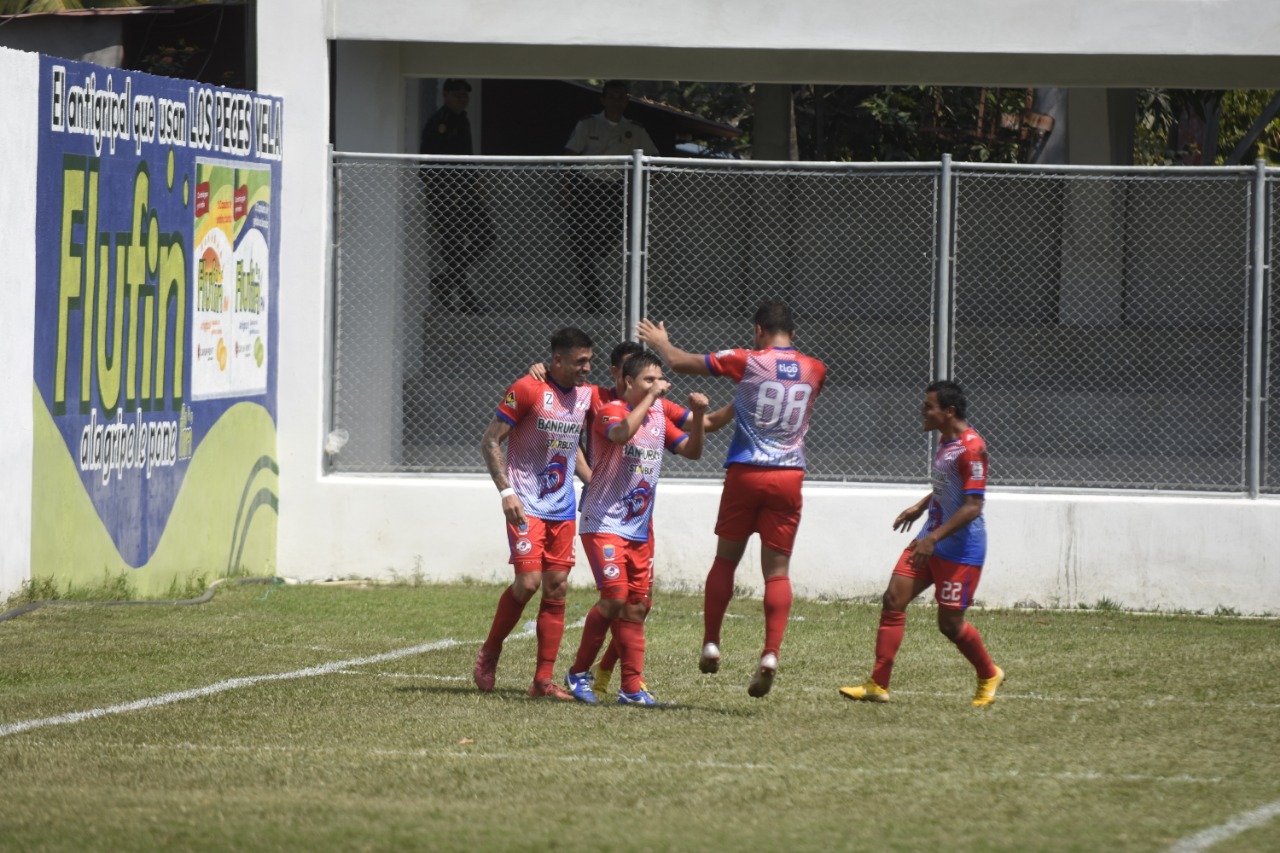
(773,135)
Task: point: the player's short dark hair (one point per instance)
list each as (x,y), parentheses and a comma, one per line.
(774,316)
(616,84)
(570,338)
(455,84)
(950,396)
(624,349)
(639,362)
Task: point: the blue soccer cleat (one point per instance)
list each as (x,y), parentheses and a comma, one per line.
(641,698)
(579,684)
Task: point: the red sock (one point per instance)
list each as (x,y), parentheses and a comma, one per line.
(893,624)
(715,598)
(630,636)
(550,631)
(610,657)
(504,620)
(970,644)
(777,607)
(593,634)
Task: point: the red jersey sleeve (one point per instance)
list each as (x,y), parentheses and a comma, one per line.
(728,362)
(677,413)
(610,414)
(520,398)
(674,435)
(971,465)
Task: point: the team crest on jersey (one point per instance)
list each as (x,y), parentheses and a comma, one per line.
(608,552)
(523,546)
(548,399)
(553,477)
(611,572)
(637,501)
(978,471)
(789,370)
(510,400)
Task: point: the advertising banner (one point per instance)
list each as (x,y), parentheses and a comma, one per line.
(157,245)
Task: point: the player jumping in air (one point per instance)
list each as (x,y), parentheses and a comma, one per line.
(776,390)
(947,554)
(627,442)
(541,422)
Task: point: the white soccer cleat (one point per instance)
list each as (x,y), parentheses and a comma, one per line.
(710,660)
(762,681)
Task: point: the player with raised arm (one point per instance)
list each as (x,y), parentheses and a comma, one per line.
(541,421)
(776,389)
(947,554)
(628,437)
(679,415)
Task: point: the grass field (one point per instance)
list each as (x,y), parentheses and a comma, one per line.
(1114,731)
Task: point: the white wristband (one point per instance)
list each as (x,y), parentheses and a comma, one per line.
(506,493)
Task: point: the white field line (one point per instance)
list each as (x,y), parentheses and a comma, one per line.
(705,764)
(248,681)
(220,687)
(1235,826)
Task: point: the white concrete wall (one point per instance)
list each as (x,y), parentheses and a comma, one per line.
(1168,552)
(20,74)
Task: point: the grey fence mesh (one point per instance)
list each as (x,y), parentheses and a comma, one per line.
(1271,381)
(1100,326)
(853,252)
(1099,321)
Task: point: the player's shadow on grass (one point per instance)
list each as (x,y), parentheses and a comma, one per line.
(506,693)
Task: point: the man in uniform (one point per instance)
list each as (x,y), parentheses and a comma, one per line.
(541,421)
(947,554)
(597,197)
(777,387)
(464,228)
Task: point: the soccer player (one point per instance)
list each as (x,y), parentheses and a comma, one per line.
(947,554)
(627,440)
(541,422)
(776,389)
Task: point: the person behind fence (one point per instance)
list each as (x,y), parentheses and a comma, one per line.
(463,226)
(541,421)
(776,388)
(596,197)
(947,554)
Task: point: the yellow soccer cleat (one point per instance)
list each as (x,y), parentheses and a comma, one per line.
(869,692)
(987,688)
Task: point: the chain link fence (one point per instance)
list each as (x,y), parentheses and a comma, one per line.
(1099,321)
(1271,381)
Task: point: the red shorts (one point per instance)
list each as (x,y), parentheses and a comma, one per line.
(758,499)
(542,545)
(953,583)
(623,568)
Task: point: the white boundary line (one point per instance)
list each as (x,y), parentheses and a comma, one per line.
(1235,826)
(220,687)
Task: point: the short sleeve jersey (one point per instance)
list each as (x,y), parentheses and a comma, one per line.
(959,469)
(542,447)
(597,136)
(774,399)
(624,478)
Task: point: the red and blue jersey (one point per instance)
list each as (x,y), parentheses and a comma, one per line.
(772,404)
(542,447)
(678,414)
(624,477)
(959,469)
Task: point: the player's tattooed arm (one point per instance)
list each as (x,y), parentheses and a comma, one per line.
(654,335)
(491,450)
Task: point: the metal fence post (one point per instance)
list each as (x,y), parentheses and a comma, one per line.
(635,244)
(1257,278)
(942,332)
